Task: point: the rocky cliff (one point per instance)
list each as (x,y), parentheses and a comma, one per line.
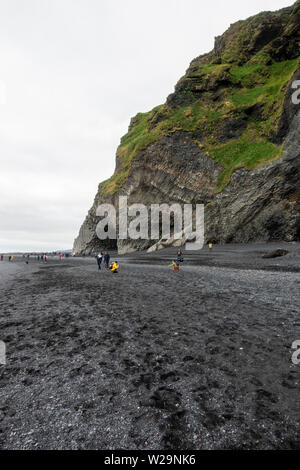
(228,138)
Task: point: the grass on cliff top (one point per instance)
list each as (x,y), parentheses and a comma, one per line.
(252,84)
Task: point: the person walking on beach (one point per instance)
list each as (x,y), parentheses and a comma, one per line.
(61,256)
(106,260)
(180,256)
(1,257)
(99,260)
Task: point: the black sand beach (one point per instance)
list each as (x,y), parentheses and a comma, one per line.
(151,358)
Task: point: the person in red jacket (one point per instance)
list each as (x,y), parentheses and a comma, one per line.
(175,265)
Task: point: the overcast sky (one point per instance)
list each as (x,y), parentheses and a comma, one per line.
(72,74)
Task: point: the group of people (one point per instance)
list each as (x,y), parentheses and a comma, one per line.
(42,258)
(38,257)
(105,258)
(114,266)
(10,257)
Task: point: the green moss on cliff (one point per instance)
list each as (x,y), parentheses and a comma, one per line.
(261,83)
(245,90)
(249,151)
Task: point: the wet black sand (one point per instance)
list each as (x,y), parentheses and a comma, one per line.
(150,358)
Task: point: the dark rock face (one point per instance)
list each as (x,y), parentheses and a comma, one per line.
(288,113)
(257,205)
(262,204)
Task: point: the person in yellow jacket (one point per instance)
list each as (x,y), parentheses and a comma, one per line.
(114,267)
